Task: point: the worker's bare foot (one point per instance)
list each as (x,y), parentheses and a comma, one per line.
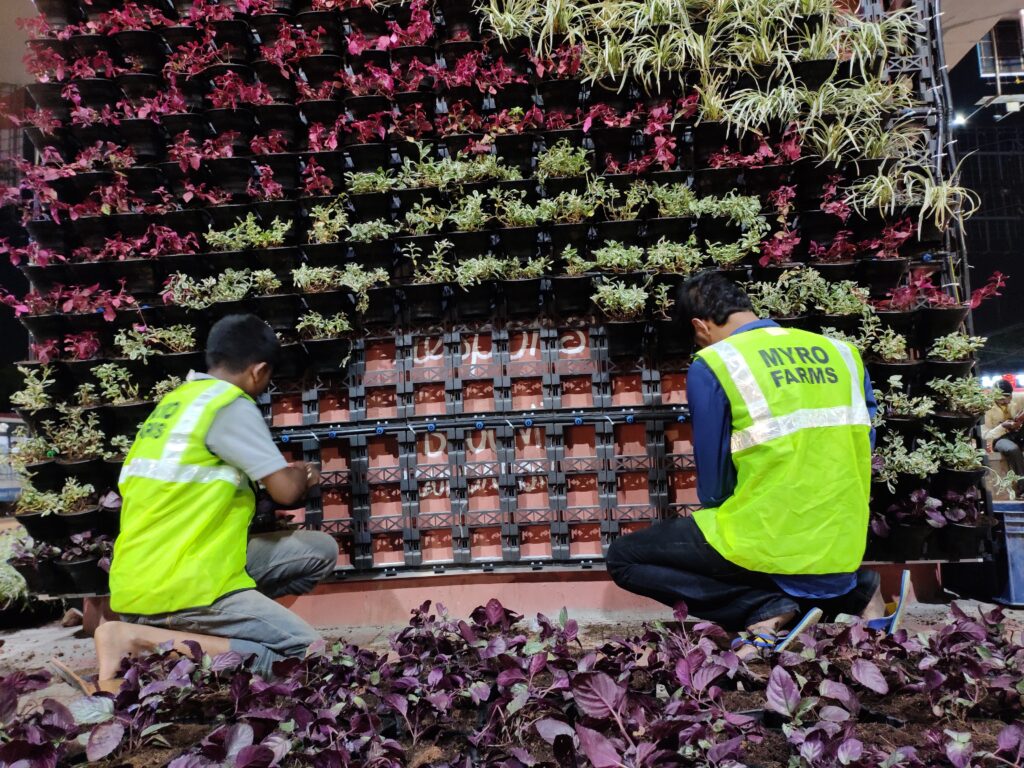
(876,608)
(114,640)
(767,629)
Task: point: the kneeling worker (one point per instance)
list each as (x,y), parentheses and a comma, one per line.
(184,567)
(782,438)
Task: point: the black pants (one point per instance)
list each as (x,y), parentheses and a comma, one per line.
(672,562)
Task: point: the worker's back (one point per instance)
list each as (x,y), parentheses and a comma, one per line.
(801,447)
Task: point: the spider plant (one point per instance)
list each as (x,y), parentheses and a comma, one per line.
(751,109)
(831,141)
(509,19)
(713,99)
(656,56)
(819,44)
(880,191)
(942,200)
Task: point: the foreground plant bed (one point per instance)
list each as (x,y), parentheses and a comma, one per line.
(487,692)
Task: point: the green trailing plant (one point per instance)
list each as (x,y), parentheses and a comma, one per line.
(328,221)
(957,451)
(742,210)
(963,395)
(622,206)
(614,256)
(512,210)
(470,213)
(371,231)
(231,285)
(313,326)
(956,346)
(370,182)
(424,219)
(856,340)
(1004,484)
(13,589)
(433,268)
(532,269)
(673,200)
(77,435)
(86,396)
(353,277)
(164,387)
(895,402)
(115,384)
(36,502)
(842,297)
(620,301)
(730,254)
(141,342)
(120,445)
(888,345)
(480,269)
(33,395)
(29,449)
(562,160)
(671,258)
(75,497)
(574,263)
(569,207)
(247,234)
(893,459)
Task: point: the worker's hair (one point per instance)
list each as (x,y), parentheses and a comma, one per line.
(711,296)
(238,341)
(1004,386)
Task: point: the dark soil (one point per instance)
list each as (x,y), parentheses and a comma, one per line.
(772,752)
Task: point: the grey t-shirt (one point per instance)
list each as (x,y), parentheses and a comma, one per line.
(240,436)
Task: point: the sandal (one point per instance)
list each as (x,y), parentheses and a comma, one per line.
(83,686)
(810,618)
(891,623)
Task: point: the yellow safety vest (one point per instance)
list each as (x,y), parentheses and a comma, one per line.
(185,513)
(802,451)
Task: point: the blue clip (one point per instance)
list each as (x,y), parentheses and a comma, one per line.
(378,430)
(431,427)
(478,425)
(630,419)
(285,438)
(528,422)
(680,419)
(578,421)
(332,434)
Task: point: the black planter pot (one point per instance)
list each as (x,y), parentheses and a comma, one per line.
(675,229)
(59,13)
(424,99)
(708,138)
(48,528)
(320,69)
(192,123)
(902,322)
(147,48)
(940,321)
(48,234)
(404,54)
(86,577)
(98,92)
(89,471)
(43,579)
(559,95)
(515,95)
(382,309)
(881,275)
(240,121)
(568,235)
(910,371)
(717,181)
(281,117)
(368,157)
(326,254)
(333,164)
(327,355)
(323,111)
(281,88)
(131,225)
(126,419)
(908,427)
(374,205)
(455,143)
(475,302)
(954,422)
(180,34)
(407,150)
(181,363)
(625,337)
(284,167)
(330,23)
(453,50)
(955,369)
(80,522)
(329,302)
(139,85)
(672,340)
(836,271)
(814,74)
(965,542)
(366,19)
(905,543)
(515,149)
(279,312)
(554,186)
(519,242)
(957,480)
(145,139)
(233,40)
(423,303)
(48,96)
(616,142)
(845,323)
(523,298)
(292,362)
(470,244)
(819,226)
(44,326)
(572,294)
(626,232)
(362,107)
(46,475)
(225,216)
(762,180)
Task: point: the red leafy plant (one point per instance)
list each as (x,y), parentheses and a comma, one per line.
(231,91)
(920,290)
(840,249)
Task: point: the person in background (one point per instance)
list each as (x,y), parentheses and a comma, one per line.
(782,439)
(184,567)
(1003,427)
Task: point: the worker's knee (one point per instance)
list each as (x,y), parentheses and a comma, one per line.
(615,561)
(324,550)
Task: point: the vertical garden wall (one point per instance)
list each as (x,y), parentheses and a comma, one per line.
(467,224)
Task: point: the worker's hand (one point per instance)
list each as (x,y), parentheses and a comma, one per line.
(311,471)
(1008,424)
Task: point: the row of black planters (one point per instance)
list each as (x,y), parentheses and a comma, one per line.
(920,541)
(59,577)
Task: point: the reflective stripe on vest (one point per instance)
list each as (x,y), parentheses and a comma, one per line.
(767,427)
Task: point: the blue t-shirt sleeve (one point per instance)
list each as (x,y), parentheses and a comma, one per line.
(869,398)
(712,429)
